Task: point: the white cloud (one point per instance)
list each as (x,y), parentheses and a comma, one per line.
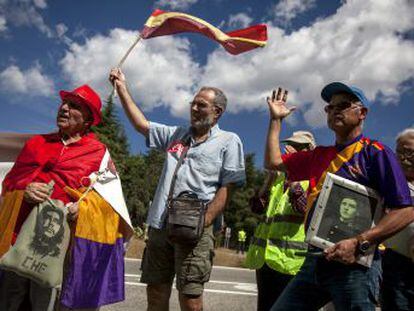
(175,4)
(360,45)
(26,13)
(41,4)
(286,10)
(30,82)
(61,30)
(240,20)
(160,71)
(23,13)
(3,26)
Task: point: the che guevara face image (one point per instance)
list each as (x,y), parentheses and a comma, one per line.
(49,232)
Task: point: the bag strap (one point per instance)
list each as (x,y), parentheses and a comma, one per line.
(186,142)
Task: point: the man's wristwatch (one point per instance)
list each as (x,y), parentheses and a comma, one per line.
(363,245)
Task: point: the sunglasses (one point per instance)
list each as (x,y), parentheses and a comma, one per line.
(298,147)
(341,106)
(201,105)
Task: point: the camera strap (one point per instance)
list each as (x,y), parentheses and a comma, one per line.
(186,145)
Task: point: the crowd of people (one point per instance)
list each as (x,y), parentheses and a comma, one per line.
(203,164)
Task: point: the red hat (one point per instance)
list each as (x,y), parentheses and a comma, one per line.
(88,97)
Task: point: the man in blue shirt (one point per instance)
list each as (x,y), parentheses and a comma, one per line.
(213,163)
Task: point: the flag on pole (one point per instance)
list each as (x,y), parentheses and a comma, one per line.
(162,23)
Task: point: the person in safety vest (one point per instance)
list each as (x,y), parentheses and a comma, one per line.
(277,248)
(241,238)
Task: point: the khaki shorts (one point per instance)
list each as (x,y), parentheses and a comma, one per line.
(192,265)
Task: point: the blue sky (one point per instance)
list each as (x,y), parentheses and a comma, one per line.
(51,45)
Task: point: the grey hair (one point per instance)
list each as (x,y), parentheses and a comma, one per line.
(406,132)
(220,100)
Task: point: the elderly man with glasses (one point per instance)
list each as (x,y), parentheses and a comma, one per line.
(336,277)
(397,292)
(94,271)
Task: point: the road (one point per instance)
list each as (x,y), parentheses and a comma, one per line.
(229,289)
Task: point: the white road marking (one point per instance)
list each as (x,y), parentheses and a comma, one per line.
(207,290)
(214,266)
(250,287)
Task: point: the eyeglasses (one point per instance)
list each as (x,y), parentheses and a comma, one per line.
(341,106)
(72,104)
(299,147)
(199,104)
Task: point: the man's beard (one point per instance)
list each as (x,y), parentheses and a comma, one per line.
(204,124)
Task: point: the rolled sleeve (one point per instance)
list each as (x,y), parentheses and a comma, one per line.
(233,171)
(160,135)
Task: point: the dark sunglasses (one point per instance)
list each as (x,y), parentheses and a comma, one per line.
(299,147)
(341,106)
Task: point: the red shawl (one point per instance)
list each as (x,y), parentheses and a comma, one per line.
(45,157)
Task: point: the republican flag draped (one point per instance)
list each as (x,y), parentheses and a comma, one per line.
(235,42)
(94,273)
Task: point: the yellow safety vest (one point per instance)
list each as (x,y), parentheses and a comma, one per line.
(242,236)
(280,237)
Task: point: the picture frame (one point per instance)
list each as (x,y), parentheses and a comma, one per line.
(343,210)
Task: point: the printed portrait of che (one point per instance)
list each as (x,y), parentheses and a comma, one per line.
(48,233)
(347,213)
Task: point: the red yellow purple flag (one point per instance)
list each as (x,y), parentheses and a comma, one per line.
(235,42)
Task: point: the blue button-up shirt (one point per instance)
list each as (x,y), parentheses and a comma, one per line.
(215,162)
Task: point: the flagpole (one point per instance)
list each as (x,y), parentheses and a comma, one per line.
(121,62)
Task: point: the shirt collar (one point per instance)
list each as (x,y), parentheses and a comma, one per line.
(343,146)
(213,131)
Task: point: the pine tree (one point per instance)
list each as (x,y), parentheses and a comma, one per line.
(111,132)
(238,215)
(139,173)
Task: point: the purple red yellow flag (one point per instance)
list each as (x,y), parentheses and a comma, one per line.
(235,42)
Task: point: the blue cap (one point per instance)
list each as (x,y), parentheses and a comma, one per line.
(338,87)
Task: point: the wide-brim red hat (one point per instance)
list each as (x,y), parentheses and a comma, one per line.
(88,97)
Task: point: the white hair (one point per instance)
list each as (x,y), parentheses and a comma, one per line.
(406,132)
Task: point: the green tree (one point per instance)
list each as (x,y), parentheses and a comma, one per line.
(238,215)
(111,132)
(141,180)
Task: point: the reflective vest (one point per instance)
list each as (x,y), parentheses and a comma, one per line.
(279,239)
(242,236)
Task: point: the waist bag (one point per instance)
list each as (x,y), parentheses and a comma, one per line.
(185,220)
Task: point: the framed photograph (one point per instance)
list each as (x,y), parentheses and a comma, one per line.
(344,209)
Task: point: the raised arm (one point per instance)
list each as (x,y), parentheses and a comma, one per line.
(278,111)
(135,115)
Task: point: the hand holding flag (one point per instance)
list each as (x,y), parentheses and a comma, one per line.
(162,23)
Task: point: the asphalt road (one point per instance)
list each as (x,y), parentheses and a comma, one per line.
(229,289)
